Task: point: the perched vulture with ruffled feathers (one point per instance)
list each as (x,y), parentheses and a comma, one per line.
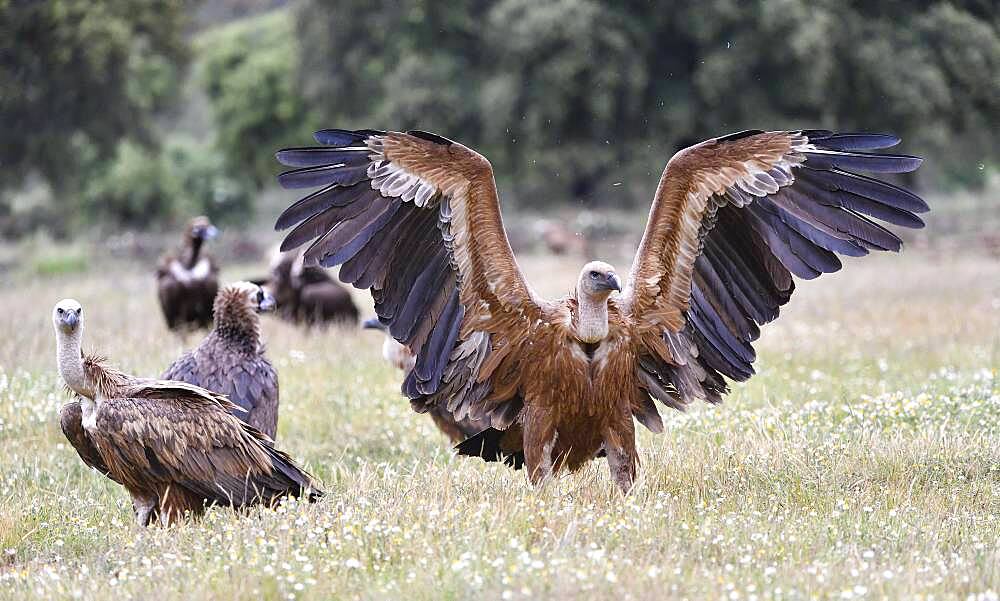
(415,217)
(231,359)
(174,446)
(187,279)
(401,358)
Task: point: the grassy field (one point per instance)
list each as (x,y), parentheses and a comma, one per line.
(862,462)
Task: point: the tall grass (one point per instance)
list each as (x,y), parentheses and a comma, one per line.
(863,461)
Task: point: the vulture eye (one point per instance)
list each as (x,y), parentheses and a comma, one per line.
(260,296)
(594,274)
(59,311)
(79,311)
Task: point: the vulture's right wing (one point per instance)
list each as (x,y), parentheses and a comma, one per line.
(71,422)
(415,217)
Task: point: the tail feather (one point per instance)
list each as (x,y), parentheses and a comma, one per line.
(287,477)
(487,446)
(303,480)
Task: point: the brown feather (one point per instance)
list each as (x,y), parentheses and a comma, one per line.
(232,361)
(187,280)
(178,446)
(568,376)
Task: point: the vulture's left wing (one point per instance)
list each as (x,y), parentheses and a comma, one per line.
(184,434)
(416,218)
(733,219)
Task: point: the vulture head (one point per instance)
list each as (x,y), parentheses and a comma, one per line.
(201,229)
(597,281)
(247,296)
(236,308)
(67,316)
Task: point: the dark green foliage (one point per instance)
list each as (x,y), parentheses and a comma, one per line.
(205,188)
(248,73)
(133,188)
(86,71)
(572,96)
(141,187)
(566,97)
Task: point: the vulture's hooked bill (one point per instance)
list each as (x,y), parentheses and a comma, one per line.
(401,358)
(174,446)
(415,217)
(187,279)
(231,359)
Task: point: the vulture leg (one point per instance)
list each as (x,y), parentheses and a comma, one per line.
(540,437)
(619,444)
(145,509)
(176,502)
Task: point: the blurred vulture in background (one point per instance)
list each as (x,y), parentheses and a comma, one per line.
(416,218)
(400,357)
(187,279)
(174,446)
(308,295)
(231,360)
(560,239)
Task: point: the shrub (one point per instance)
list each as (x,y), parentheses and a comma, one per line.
(140,187)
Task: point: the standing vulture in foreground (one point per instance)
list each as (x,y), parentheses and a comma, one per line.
(401,358)
(415,217)
(174,446)
(187,279)
(231,361)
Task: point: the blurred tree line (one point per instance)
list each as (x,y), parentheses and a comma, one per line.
(566,97)
(87,93)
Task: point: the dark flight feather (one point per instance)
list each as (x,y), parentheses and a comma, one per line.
(872,163)
(851,142)
(323,199)
(488,445)
(343,137)
(343,172)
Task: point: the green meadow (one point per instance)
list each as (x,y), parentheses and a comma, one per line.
(862,462)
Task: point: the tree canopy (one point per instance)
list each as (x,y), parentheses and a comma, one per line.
(82,72)
(570,94)
(565,97)
(248,71)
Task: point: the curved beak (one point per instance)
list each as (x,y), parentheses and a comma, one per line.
(267,304)
(373,324)
(610,282)
(70,318)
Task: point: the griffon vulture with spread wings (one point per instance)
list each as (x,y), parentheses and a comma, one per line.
(415,217)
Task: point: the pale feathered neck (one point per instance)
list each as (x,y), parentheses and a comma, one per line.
(591,318)
(85,376)
(69,359)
